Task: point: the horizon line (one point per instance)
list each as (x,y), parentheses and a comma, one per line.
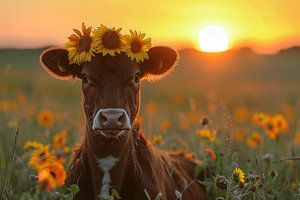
(178,49)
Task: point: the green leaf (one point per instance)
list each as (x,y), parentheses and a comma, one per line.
(2,158)
(198,170)
(74,188)
(62,189)
(115,193)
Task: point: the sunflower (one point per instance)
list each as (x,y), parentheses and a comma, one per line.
(59,139)
(109,40)
(280,122)
(57,171)
(254,140)
(46,180)
(41,157)
(238,175)
(271,129)
(33,145)
(45,118)
(259,119)
(208,134)
(80,46)
(137,46)
(157,139)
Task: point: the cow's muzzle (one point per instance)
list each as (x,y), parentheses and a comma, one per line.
(111,122)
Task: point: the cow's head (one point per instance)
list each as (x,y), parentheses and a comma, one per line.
(110,84)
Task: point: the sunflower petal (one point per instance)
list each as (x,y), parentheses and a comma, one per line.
(73,37)
(77,32)
(88,31)
(83,28)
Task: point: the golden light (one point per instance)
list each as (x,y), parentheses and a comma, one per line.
(213,38)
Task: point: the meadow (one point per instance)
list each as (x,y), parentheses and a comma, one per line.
(247,134)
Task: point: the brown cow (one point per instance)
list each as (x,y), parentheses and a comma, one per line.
(115,152)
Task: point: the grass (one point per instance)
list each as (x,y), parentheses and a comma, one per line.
(172,115)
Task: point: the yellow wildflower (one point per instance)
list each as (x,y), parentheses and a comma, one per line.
(157,139)
(280,123)
(238,175)
(51,176)
(254,140)
(59,140)
(7,105)
(33,145)
(45,118)
(206,134)
(41,157)
(259,119)
(46,180)
(271,129)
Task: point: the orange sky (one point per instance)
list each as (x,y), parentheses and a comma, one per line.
(265,25)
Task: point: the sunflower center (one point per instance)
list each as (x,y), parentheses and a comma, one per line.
(111,40)
(256,140)
(60,140)
(84,44)
(136,46)
(45,118)
(52,174)
(279,123)
(270,126)
(42,157)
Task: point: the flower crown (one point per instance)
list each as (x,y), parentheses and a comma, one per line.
(83,45)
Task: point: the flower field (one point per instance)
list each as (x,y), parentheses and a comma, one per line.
(249,141)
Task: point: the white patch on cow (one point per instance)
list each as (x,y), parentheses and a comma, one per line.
(105,165)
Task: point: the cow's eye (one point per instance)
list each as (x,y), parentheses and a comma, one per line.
(137,77)
(84,79)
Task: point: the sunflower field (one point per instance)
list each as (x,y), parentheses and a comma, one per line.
(249,140)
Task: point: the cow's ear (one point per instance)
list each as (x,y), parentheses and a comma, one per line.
(56,63)
(160,63)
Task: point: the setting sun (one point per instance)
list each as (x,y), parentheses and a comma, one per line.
(213,38)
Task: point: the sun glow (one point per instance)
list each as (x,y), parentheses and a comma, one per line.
(213,38)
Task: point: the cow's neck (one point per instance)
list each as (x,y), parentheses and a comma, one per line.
(113,163)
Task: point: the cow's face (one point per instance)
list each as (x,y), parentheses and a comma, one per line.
(110,85)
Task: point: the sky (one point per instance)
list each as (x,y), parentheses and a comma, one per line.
(264,25)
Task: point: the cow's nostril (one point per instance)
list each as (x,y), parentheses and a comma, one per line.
(121,118)
(102,118)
